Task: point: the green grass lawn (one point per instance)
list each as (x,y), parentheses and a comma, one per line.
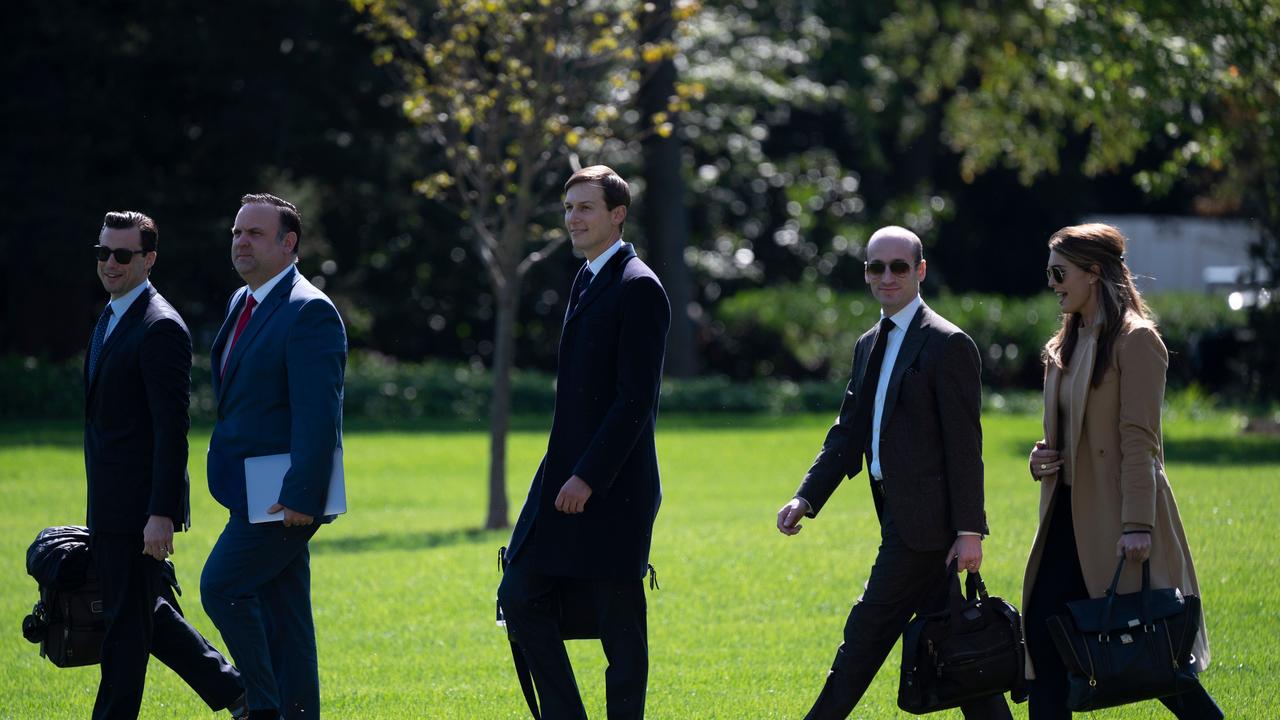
(746,621)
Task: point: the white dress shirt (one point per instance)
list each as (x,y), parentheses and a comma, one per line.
(901,321)
(598,264)
(121,305)
(258,296)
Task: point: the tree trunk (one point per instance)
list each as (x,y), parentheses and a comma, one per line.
(666,220)
(504,339)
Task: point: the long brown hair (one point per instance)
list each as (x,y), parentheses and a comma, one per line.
(1097,248)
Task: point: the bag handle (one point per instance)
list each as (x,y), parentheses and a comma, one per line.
(955,598)
(1146,591)
(973,589)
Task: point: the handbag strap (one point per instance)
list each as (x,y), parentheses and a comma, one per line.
(526,679)
(911,646)
(1145,592)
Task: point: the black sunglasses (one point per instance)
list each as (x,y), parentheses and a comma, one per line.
(1055,273)
(124,256)
(899,268)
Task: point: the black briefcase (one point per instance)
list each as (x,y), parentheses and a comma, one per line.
(1120,649)
(971,650)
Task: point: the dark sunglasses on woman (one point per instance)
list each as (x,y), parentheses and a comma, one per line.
(1055,273)
(899,268)
(124,256)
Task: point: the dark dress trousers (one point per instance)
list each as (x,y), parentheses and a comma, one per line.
(135,453)
(281,392)
(931,461)
(607,382)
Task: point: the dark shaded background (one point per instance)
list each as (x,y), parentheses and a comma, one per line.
(178,108)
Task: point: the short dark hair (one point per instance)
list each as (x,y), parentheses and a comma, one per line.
(290,218)
(125,219)
(616,190)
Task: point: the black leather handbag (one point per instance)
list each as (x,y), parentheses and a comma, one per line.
(1120,649)
(972,649)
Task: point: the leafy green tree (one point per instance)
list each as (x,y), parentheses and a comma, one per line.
(1192,84)
(512,92)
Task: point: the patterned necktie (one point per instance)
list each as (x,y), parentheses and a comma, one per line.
(240,325)
(99,338)
(580,287)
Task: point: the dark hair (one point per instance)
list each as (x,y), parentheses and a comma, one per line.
(616,190)
(290,218)
(125,219)
(1099,249)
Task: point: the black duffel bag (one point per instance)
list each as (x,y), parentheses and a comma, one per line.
(971,650)
(1120,649)
(68,621)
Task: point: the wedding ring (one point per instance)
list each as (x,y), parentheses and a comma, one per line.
(1044,466)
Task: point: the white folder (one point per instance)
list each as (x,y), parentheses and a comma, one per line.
(264,476)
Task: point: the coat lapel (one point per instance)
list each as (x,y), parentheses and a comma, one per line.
(224,334)
(260,317)
(907,352)
(1052,378)
(1079,396)
(611,269)
(128,320)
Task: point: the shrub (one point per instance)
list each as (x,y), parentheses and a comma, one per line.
(809,331)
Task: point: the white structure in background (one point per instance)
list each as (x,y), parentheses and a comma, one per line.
(1171,252)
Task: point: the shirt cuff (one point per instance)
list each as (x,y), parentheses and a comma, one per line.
(968,532)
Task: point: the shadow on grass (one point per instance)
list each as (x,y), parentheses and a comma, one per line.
(1238,450)
(542,423)
(55,433)
(70,433)
(379,542)
(1243,450)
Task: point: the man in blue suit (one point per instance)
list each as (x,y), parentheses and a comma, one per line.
(278,365)
(585,530)
(137,388)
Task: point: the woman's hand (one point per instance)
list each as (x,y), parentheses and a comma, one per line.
(1044,461)
(1134,546)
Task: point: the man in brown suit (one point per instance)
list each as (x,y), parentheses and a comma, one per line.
(912,407)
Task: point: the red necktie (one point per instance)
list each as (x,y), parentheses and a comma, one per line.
(244,320)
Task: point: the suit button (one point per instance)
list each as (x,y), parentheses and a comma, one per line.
(1103,453)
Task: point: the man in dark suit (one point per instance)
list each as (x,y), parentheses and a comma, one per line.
(912,408)
(585,529)
(137,381)
(278,365)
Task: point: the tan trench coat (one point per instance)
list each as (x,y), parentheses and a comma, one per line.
(1118,460)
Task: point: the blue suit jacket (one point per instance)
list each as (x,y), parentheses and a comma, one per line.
(281,393)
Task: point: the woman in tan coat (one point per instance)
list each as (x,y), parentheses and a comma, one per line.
(1103,489)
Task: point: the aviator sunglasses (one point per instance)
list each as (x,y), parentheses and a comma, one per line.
(124,256)
(899,268)
(1055,273)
